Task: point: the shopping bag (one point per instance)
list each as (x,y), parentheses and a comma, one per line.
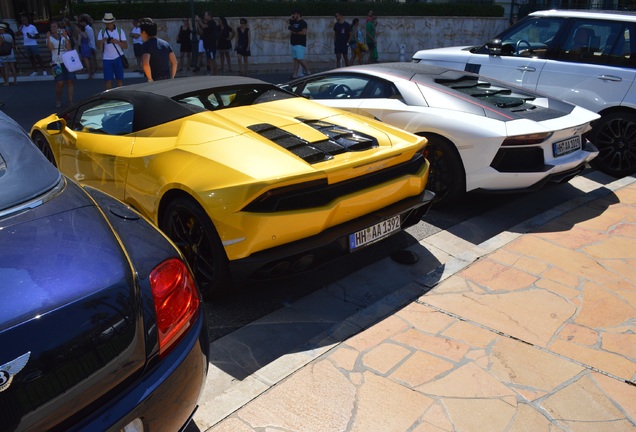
(72,61)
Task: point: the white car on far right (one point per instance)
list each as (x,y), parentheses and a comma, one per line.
(586,58)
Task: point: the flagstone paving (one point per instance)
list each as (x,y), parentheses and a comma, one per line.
(539,335)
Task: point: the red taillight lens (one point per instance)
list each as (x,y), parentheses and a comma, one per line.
(176,301)
(529,139)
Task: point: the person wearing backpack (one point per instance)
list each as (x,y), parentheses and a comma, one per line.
(7,54)
(112,41)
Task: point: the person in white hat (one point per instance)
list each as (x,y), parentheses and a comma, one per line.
(112,41)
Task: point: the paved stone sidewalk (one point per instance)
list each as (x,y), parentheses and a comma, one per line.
(539,335)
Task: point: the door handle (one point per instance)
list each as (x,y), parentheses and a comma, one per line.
(610,78)
(526,69)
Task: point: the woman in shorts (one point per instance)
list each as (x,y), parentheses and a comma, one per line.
(58,42)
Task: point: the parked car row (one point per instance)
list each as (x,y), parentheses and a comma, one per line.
(171,190)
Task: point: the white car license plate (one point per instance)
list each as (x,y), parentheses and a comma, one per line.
(374,233)
(566,146)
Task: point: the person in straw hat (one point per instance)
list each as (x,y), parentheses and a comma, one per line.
(112,41)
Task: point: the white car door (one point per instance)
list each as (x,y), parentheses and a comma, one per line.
(595,72)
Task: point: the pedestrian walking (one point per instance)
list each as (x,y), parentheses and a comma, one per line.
(372,42)
(209,35)
(158,58)
(341,37)
(184,39)
(87,21)
(7,54)
(224,43)
(243,43)
(84,48)
(356,42)
(30,35)
(298,42)
(59,41)
(135,36)
(112,41)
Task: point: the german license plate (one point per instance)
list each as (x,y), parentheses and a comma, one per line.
(566,146)
(374,233)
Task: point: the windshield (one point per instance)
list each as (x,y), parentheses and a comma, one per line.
(536,31)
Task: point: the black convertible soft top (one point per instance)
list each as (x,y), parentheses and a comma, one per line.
(154,101)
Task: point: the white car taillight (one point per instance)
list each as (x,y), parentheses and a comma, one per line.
(519,140)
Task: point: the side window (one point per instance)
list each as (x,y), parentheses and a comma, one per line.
(598,42)
(380,89)
(335,87)
(623,50)
(110,117)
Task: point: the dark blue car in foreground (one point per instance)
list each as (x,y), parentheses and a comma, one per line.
(101,323)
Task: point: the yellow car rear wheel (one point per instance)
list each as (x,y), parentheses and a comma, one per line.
(190,228)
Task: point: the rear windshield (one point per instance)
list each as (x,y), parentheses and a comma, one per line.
(232,97)
(25,174)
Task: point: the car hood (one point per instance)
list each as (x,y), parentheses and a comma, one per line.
(69,320)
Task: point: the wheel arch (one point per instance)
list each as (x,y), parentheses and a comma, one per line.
(447,185)
(169,197)
(452,144)
(37,134)
(615,109)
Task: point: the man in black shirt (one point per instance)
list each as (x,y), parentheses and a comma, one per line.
(209,34)
(158,59)
(341,35)
(298,42)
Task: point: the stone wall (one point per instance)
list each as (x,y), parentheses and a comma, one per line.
(270,37)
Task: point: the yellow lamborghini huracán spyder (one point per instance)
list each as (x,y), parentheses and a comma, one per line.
(247,179)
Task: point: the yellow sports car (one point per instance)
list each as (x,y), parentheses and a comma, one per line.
(249,180)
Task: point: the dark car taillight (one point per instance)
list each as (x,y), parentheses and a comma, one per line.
(176,301)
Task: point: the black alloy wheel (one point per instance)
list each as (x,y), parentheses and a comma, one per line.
(42,144)
(446,178)
(190,228)
(615,137)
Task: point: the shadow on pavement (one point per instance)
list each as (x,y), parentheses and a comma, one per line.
(311,310)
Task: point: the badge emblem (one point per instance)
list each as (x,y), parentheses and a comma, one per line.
(9,370)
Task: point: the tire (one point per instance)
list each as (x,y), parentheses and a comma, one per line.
(190,228)
(615,137)
(41,143)
(447,177)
